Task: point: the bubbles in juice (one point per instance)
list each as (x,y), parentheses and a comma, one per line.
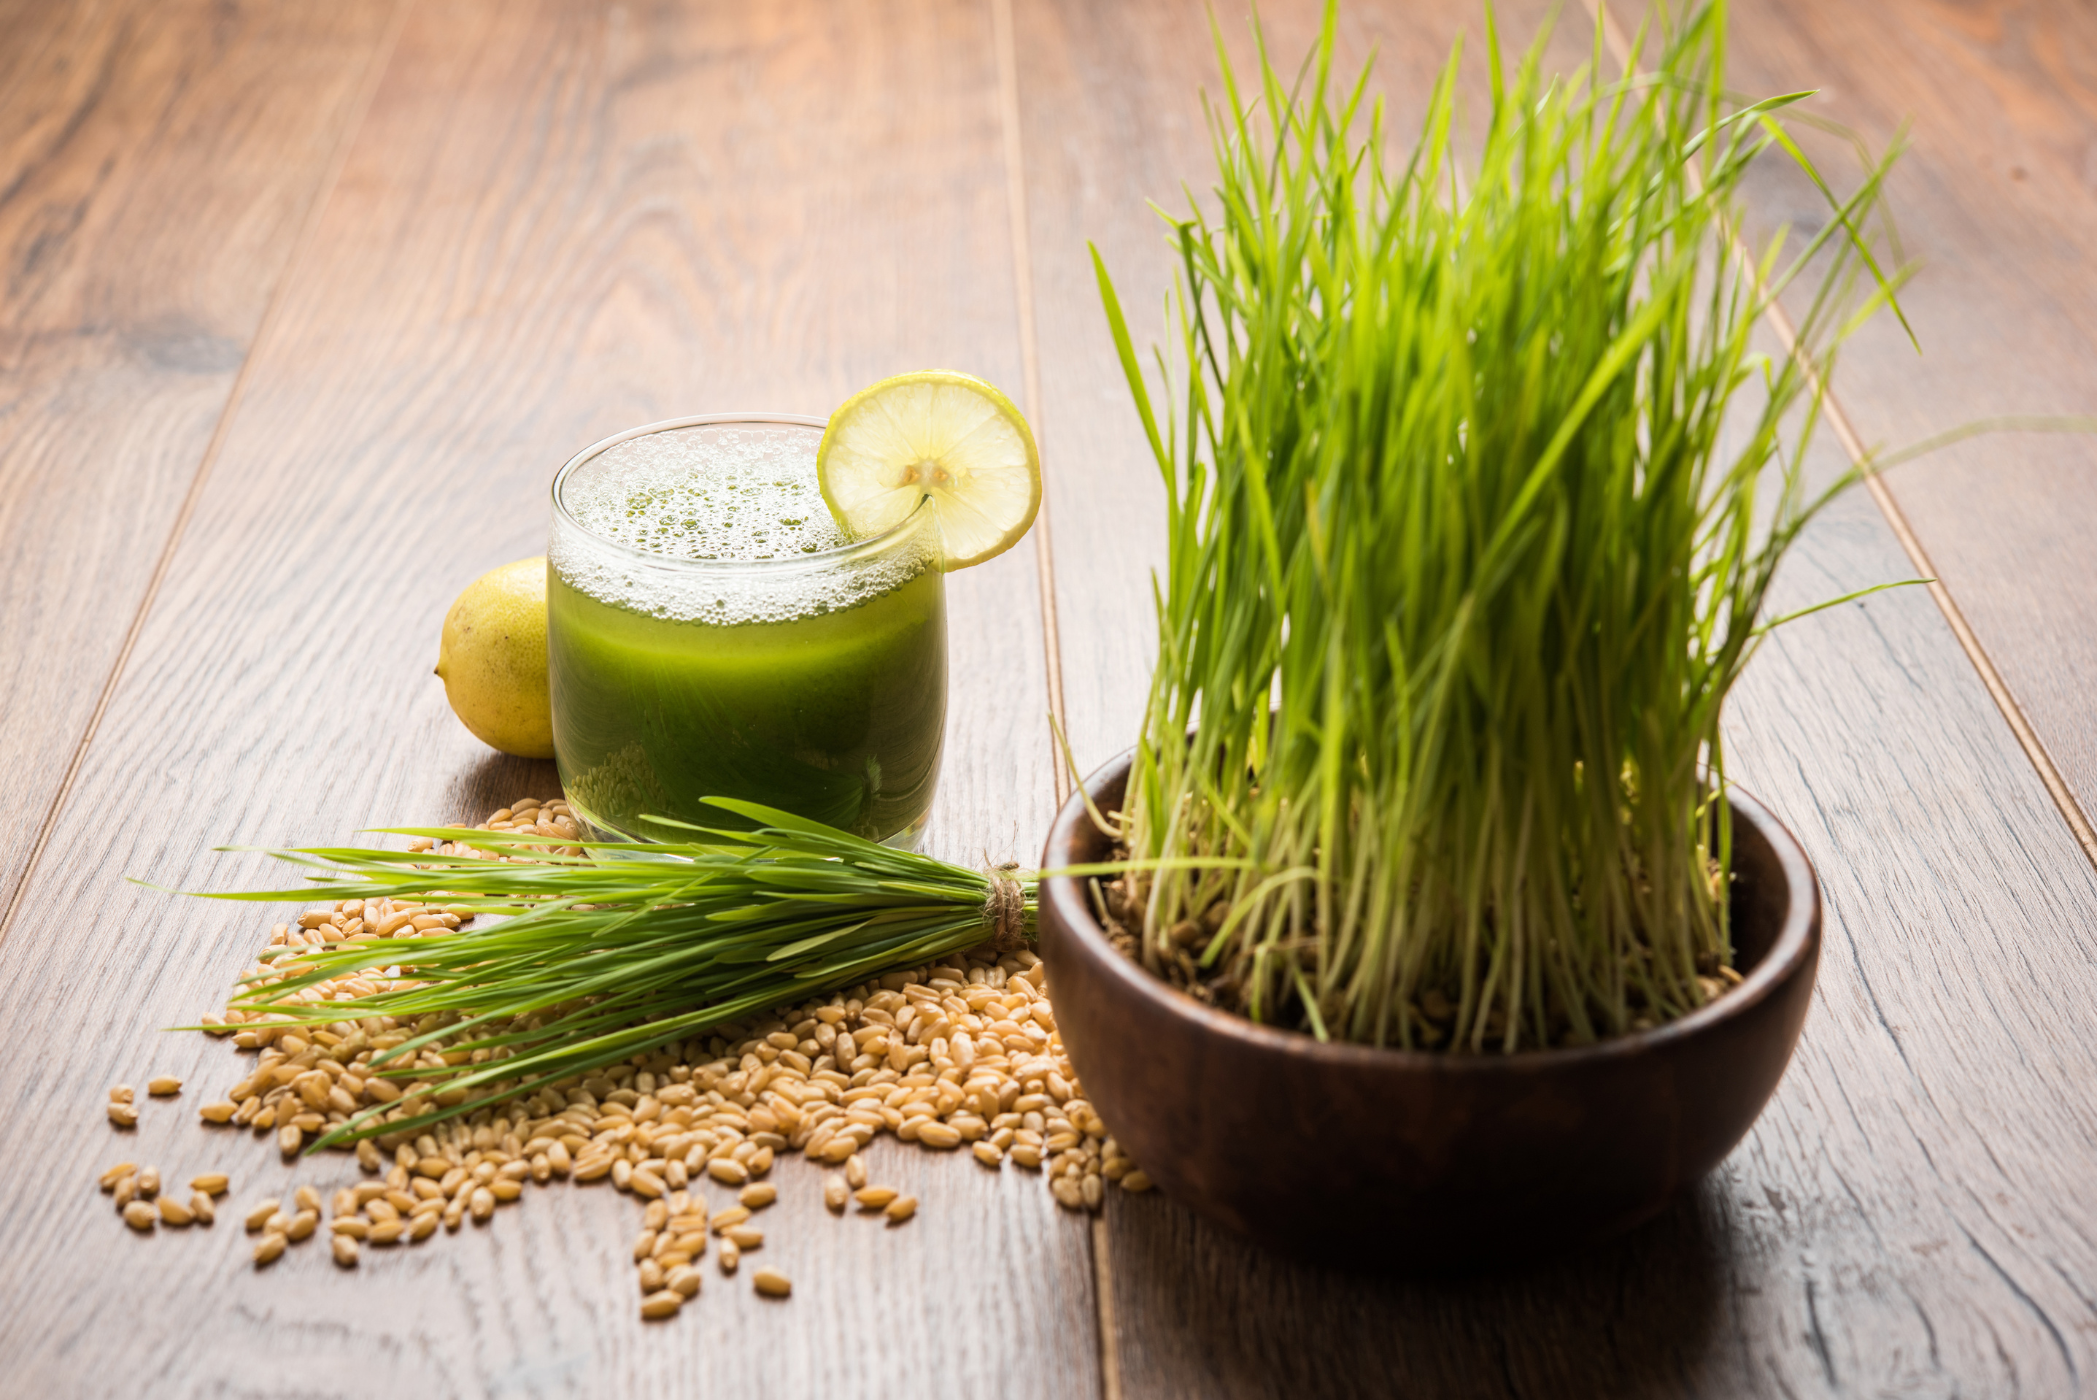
(710,494)
(719,496)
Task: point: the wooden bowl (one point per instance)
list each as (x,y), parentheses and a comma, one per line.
(1417,1160)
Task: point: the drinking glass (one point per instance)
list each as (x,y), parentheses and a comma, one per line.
(816,682)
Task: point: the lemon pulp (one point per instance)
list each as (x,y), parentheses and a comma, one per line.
(939,435)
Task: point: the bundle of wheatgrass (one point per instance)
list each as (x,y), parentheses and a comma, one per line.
(1461,561)
(577,962)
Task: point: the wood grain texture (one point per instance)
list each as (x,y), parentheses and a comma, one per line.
(157,162)
(1994,201)
(558,220)
(1914,1212)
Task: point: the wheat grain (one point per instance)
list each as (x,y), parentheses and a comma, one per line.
(964,1050)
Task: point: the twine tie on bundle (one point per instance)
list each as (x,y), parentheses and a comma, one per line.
(1005,906)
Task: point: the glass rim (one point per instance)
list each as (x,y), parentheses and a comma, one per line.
(874,544)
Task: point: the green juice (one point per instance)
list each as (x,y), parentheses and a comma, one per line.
(710,634)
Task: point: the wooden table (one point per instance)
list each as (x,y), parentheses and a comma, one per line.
(304,303)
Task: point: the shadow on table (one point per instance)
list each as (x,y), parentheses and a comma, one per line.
(496,781)
(1200,1312)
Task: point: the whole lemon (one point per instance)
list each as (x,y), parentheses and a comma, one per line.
(493,659)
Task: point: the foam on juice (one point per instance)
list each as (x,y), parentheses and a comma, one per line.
(717,496)
(709,494)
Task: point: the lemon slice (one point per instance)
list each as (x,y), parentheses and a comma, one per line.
(935,434)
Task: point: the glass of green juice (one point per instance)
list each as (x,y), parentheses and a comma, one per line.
(711,632)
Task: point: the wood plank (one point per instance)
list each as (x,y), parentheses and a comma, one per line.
(157,162)
(1993,200)
(558,220)
(1914,1213)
